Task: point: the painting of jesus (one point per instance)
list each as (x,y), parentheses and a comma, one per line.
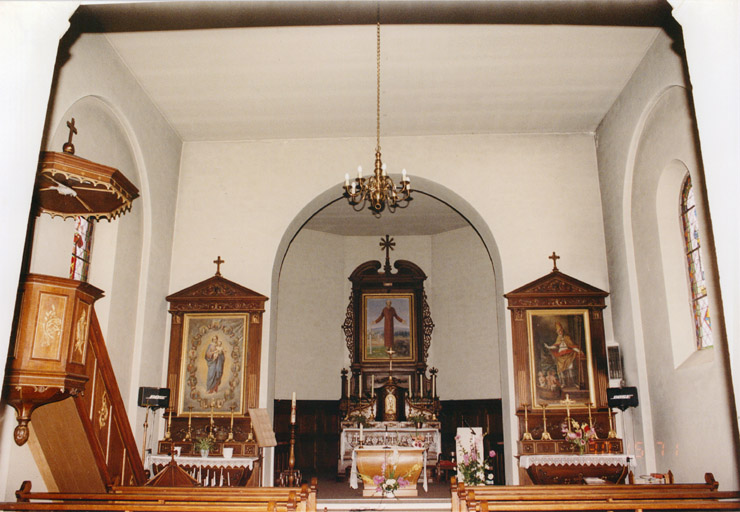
(388,321)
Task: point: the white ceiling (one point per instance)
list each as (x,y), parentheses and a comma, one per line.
(304,82)
(307,69)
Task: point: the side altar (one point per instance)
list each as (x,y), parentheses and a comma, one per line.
(213,377)
(567,431)
(388,396)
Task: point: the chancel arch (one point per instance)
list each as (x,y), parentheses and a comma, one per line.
(311,291)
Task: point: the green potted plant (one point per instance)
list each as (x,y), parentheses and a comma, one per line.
(359,419)
(204,445)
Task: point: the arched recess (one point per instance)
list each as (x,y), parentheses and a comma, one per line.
(666,144)
(497,306)
(120,247)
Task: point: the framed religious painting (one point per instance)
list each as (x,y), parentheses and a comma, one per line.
(214,362)
(561,356)
(388,323)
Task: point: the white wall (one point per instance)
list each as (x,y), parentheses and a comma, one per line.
(684,422)
(118,126)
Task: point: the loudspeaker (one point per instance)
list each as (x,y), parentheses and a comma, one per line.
(154,397)
(622,398)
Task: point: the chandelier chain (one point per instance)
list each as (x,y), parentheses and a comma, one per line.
(377,111)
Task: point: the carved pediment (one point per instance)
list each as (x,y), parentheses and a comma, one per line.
(556,288)
(217,290)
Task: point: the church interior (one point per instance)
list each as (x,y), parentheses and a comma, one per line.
(553,273)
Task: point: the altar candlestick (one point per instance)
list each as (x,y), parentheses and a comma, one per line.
(292,410)
(372,386)
(434,385)
(545,434)
(411,393)
(210,434)
(190,417)
(612,433)
(360,385)
(421,386)
(231,426)
(591,423)
(362,435)
(527,436)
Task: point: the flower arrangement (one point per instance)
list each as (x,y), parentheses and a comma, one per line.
(579,436)
(475,470)
(417,419)
(359,419)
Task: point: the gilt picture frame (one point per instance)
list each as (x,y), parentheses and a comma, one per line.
(214,360)
(560,357)
(388,320)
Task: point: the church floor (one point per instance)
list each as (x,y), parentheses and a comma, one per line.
(334,496)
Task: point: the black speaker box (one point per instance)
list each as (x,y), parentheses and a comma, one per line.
(154,397)
(622,398)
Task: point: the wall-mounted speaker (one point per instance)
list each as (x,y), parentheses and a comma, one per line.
(154,397)
(622,398)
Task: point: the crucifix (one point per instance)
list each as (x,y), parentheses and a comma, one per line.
(218,261)
(387,244)
(567,403)
(554,259)
(390,363)
(68,146)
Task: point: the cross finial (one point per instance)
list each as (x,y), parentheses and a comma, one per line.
(390,361)
(387,244)
(68,146)
(218,262)
(554,259)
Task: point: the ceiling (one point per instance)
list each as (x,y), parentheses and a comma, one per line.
(307,69)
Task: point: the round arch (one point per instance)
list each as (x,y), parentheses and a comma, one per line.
(481,229)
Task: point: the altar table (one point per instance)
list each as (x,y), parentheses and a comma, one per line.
(428,438)
(209,471)
(577,469)
(409,463)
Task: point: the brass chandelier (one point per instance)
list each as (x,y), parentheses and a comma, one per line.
(378,190)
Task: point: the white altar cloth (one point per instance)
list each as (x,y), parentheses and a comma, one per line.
(219,462)
(611,459)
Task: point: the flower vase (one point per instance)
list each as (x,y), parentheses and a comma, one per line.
(389,494)
(204,453)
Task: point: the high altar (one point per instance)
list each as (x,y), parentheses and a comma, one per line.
(566,428)
(389,403)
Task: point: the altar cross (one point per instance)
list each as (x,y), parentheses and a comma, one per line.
(390,362)
(387,244)
(218,261)
(68,146)
(554,259)
(567,402)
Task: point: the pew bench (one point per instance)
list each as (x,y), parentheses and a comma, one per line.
(595,497)
(171,499)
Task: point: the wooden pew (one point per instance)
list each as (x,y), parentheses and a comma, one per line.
(200,499)
(595,497)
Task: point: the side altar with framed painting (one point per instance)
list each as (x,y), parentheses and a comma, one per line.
(214,366)
(388,396)
(561,377)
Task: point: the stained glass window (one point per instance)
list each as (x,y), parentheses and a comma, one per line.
(697,283)
(82,243)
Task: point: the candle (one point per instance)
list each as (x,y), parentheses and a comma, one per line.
(362,435)
(404,175)
(359,171)
(421,386)
(360,384)
(292,410)
(411,394)
(434,386)
(372,385)
(346,180)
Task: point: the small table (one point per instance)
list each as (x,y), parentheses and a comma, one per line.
(574,469)
(404,462)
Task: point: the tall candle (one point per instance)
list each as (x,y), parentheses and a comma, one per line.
(292,410)
(421,386)
(360,384)
(411,394)
(372,385)
(362,438)
(434,386)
